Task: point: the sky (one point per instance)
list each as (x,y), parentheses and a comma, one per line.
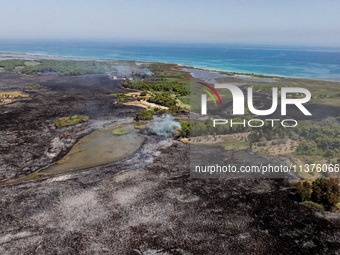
(285,22)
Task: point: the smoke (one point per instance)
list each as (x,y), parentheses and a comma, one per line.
(132,70)
(165,125)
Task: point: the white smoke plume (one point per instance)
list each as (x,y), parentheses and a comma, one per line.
(165,125)
(132,70)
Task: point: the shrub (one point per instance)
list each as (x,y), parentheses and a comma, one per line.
(185,132)
(34,87)
(68,121)
(326,191)
(163,99)
(315,205)
(303,190)
(121,95)
(144,93)
(120,131)
(146,115)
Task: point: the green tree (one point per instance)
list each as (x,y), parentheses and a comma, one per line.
(303,190)
(144,93)
(326,191)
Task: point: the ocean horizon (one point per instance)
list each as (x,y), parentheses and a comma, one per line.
(287,61)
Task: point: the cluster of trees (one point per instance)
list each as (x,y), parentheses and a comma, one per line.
(144,93)
(312,149)
(163,99)
(321,138)
(324,192)
(145,115)
(69,67)
(318,138)
(173,87)
(148,114)
(10,64)
(185,131)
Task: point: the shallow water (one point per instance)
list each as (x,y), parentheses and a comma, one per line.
(99,148)
(211,76)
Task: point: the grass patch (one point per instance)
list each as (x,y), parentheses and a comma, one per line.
(139,125)
(31,63)
(68,121)
(120,131)
(121,95)
(18,69)
(236,145)
(315,205)
(12,95)
(35,87)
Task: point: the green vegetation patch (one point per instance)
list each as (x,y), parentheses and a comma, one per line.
(120,131)
(32,63)
(121,95)
(322,193)
(320,138)
(317,139)
(11,64)
(144,93)
(174,87)
(185,130)
(70,67)
(315,205)
(139,125)
(68,121)
(145,115)
(163,99)
(35,87)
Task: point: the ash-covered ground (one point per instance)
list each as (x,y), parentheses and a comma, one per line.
(147,204)
(144,204)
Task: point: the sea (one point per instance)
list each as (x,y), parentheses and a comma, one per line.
(287,61)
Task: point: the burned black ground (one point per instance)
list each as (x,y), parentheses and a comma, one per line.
(130,207)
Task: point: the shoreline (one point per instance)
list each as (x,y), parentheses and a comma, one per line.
(29,56)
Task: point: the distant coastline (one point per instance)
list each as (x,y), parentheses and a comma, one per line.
(299,62)
(30,56)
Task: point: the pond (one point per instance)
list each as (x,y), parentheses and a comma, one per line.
(98,148)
